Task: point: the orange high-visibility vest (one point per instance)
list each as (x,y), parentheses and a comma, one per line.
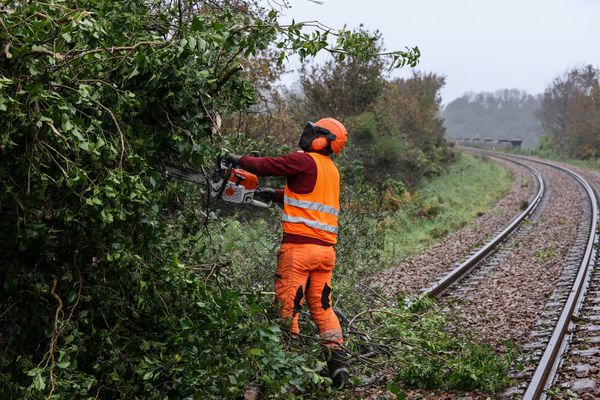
(315,214)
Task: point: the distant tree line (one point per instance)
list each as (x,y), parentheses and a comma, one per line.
(504,114)
(564,119)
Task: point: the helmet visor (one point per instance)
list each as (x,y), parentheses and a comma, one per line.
(311,131)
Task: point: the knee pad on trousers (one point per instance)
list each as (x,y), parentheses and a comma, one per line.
(325,294)
(298,299)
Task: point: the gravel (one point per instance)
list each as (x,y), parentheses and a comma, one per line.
(507,302)
(580,371)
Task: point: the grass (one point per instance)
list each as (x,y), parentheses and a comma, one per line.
(470,187)
(591,163)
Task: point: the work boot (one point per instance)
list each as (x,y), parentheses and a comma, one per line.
(337,367)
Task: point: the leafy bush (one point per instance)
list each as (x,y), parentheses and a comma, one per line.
(98,295)
(546,147)
(403,139)
(363,127)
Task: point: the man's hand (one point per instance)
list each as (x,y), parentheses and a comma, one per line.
(266,193)
(233,158)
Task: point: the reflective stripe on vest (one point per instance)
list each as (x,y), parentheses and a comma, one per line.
(308,222)
(311,205)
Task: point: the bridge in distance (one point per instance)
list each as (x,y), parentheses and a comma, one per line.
(489,143)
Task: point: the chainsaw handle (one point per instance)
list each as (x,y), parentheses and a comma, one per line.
(258,203)
(225,171)
(266,197)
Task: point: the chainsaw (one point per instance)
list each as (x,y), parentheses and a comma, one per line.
(233,185)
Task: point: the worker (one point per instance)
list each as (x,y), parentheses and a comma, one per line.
(306,258)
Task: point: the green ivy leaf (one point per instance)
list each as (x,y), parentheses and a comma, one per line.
(257,352)
(39,383)
(133,73)
(192,43)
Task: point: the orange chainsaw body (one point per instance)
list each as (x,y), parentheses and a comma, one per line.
(240,186)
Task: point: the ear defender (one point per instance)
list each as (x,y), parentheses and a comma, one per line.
(319,143)
(315,138)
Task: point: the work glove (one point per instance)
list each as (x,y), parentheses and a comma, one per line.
(233,158)
(266,193)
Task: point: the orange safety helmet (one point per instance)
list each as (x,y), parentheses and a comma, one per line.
(325,132)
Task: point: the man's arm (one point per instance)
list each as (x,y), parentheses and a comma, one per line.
(299,169)
(290,165)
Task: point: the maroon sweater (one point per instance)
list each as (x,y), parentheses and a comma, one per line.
(300,171)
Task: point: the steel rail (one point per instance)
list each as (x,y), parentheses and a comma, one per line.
(544,373)
(462,270)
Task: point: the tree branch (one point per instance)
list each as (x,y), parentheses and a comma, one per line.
(227,76)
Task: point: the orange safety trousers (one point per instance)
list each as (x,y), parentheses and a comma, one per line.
(304,272)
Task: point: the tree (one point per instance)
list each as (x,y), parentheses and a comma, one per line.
(343,88)
(411,107)
(403,137)
(570,112)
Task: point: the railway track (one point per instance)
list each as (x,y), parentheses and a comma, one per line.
(460,271)
(545,372)
(579,372)
(551,334)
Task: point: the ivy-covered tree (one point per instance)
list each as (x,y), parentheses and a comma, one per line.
(96,299)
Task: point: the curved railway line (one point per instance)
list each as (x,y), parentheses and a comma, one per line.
(459,272)
(552,331)
(545,372)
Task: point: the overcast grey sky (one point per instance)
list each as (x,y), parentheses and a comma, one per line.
(478,45)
